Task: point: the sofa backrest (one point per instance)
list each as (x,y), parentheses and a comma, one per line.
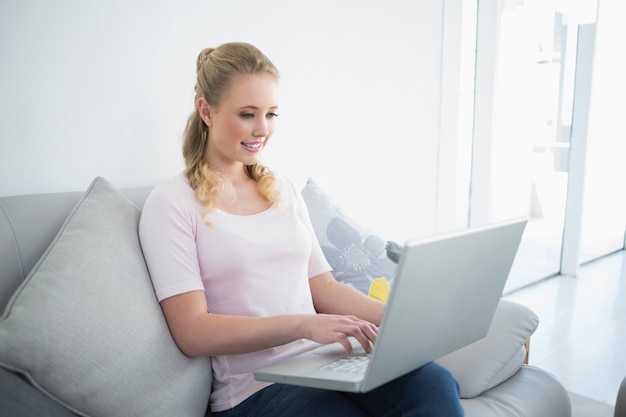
(28,224)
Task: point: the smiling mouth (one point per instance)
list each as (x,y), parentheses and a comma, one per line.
(252,146)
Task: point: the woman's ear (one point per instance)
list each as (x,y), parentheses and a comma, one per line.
(204,109)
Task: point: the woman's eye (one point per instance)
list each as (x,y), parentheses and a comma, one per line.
(251,115)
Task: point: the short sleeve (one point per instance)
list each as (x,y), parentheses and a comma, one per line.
(167,231)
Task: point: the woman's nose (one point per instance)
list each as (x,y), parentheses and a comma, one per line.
(261,128)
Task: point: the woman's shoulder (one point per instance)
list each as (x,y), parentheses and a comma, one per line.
(175,190)
(176,184)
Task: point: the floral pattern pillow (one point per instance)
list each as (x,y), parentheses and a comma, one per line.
(357,255)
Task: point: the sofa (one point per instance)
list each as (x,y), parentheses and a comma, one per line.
(82,332)
(620,402)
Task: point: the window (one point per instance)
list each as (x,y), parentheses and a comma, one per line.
(525,76)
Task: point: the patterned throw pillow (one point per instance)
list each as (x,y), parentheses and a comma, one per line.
(357,255)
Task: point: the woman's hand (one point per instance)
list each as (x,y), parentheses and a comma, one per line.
(330,328)
(342,312)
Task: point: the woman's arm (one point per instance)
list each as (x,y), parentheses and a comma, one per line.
(200,333)
(333,297)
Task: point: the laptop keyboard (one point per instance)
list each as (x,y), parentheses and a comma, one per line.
(356,364)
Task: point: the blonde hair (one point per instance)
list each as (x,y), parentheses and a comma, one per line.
(216,68)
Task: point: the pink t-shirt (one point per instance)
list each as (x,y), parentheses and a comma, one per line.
(256,265)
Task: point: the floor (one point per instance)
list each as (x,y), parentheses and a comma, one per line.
(581,338)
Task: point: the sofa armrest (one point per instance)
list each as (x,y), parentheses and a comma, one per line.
(494,359)
(620,404)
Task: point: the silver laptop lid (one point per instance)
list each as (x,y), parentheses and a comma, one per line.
(448,289)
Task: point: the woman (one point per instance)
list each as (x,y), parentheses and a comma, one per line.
(237,268)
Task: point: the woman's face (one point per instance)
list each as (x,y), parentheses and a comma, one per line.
(241,125)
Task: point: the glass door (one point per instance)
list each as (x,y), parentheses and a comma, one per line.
(523,113)
(604,207)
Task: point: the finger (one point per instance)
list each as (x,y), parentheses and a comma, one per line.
(366,344)
(363,335)
(370,331)
(347,346)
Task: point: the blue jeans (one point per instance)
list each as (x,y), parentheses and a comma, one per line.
(429,391)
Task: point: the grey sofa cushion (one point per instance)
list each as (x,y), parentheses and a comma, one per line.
(531,392)
(18,398)
(85,326)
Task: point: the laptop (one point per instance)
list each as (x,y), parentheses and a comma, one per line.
(443,297)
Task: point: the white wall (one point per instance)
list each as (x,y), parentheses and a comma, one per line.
(103,88)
